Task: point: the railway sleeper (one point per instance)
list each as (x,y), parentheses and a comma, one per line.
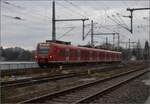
(59,100)
(53,102)
(64,101)
(69,98)
(93,90)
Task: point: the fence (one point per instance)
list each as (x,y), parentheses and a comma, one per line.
(17,65)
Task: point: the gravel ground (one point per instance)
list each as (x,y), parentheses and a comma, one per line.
(134,92)
(19,94)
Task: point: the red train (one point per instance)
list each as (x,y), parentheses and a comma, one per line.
(50,53)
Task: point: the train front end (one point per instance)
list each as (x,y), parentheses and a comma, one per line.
(43,54)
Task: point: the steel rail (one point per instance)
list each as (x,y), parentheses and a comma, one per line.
(47,97)
(35,80)
(91,97)
(39,80)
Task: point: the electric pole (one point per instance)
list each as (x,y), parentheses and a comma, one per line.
(92,41)
(113,34)
(106,43)
(129,43)
(113,41)
(118,40)
(54,20)
(83,29)
(131,16)
(126,44)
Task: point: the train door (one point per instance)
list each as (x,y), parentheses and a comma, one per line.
(110,56)
(105,56)
(67,54)
(90,55)
(101,56)
(97,56)
(119,57)
(115,57)
(78,55)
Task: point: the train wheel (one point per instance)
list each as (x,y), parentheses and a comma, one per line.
(41,65)
(47,65)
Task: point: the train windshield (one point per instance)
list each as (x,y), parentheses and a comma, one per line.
(43,49)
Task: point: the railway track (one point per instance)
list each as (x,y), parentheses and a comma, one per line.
(42,79)
(86,92)
(38,80)
(28,71)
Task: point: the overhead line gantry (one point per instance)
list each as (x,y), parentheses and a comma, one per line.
(131,15)
(54,20)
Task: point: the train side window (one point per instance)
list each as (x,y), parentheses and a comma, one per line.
(75,53)
(87,54)
(62,52)
(71,53)
(93,54)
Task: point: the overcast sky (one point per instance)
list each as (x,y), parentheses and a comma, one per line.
(26,23)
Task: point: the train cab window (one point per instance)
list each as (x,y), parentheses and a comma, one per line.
(43,50)
(62,52)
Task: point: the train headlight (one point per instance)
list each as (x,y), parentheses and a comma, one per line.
(50,57)
(35,57)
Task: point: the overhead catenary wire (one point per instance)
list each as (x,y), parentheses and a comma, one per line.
(23,21)
(71,10)
(137,2)
(20,8)
(105,26)
(66,33)
(65,9)
(104,9)
(17,6)
(118,23)
(126,27)
(116,19)
(94,27)
(122,19)
(75,13)
(76,6)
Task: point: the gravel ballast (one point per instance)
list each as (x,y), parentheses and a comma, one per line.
(133,92)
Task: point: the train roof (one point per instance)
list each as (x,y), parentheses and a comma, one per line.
(94,49)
